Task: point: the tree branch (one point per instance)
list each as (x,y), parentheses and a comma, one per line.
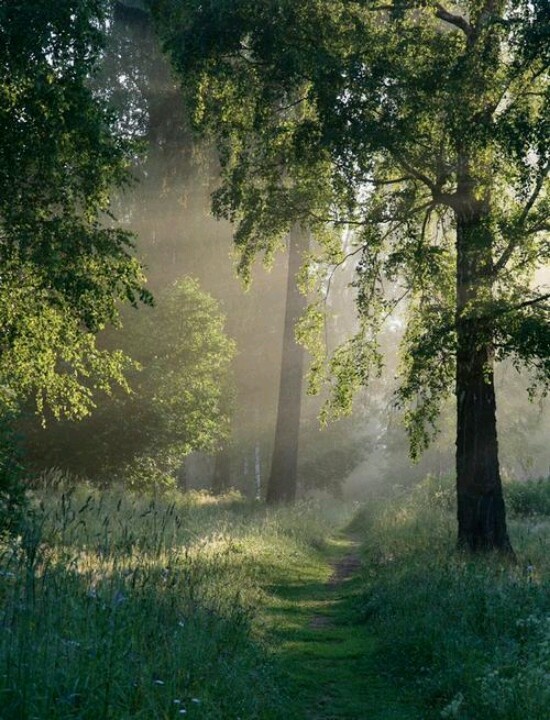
(541,227)
(457,20)
(442,13)
(514,242)
(291,105)
(338,265)
(397,181)
(416,173)
(526,303)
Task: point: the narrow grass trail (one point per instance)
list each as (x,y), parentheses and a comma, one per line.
(316,629)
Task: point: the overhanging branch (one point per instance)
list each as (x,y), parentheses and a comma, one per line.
(457,20)
(514,242)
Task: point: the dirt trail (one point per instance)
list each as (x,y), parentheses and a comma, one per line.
(330,653)
(342,569)
(346,567)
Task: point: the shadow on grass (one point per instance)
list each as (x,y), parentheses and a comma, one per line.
(331,658)
(140,644)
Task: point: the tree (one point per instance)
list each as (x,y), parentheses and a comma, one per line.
(221,481)
(179,400)
(425,128)
(64,267)
(169,211)
(283,478)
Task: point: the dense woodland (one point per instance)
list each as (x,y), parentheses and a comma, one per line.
(275,299)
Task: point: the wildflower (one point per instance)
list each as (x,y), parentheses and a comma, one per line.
(119,598)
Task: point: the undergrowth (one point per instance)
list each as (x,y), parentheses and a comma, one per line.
(116,606)
(531,497)
(470,636)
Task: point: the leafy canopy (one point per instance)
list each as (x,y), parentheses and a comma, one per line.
(63,266)
(371,115)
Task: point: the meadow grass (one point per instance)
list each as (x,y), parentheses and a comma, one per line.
(118,606)
(469,637)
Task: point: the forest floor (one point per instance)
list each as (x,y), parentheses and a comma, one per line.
(121,606)
(325,646)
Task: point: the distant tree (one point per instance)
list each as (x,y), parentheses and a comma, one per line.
(179,400)
(426,128)
(332,454)
(63,266)
(221,481)
(283,478)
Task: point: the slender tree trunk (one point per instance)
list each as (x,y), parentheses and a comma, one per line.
(257,471)
(281,486)
(481,510)
(222,471)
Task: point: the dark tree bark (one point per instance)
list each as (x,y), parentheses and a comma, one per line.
(222,471)
(481,510)
(281,486)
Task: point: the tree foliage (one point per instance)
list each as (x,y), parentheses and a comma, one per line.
(363,113)
(179,399)
(425,128)
(63,265)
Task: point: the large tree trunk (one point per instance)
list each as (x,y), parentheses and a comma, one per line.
(281,486)
(481,511)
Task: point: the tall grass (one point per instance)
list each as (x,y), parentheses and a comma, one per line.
(469,637)
(113,606)
(529,498)
(116,606)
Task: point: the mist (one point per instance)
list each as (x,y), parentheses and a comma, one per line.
(255,257)
(168,208)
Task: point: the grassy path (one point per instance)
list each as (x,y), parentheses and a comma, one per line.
(315,625)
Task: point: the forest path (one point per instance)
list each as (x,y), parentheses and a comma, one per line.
(317,630)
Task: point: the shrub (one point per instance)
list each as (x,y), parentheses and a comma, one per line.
(531,497)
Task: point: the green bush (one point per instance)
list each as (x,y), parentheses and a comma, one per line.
(531,497)
(179,400)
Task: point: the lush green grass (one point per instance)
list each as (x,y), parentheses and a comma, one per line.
(113,607)
(116,606)
(470,637)
(330,657)
(529,498)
